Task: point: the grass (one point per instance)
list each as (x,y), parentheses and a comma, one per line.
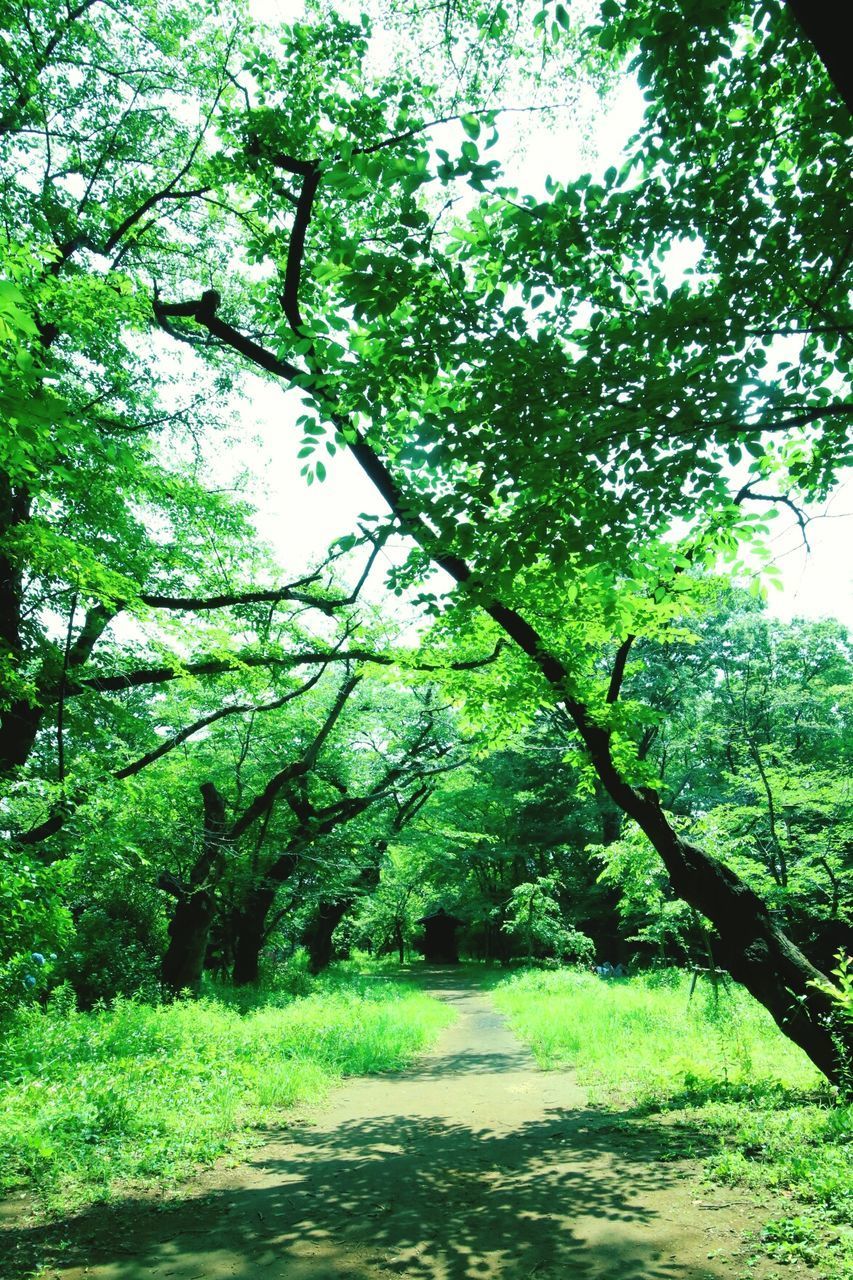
(135,1094)
(718,1066)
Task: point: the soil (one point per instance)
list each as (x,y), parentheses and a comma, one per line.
(472,1164)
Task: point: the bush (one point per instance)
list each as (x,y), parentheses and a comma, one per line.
(116,950)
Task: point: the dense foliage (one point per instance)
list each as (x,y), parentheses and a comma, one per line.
(209,757)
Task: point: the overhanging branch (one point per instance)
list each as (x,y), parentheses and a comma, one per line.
(747,493)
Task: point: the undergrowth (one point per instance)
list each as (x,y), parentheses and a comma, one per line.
(719,1066)
(145,1094)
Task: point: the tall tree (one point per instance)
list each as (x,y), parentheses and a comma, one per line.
(539,454)
(537,402)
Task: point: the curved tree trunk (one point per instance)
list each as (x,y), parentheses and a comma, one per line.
(318,934)
(755,951)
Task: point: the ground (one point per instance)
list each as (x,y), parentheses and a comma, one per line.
(471,1165)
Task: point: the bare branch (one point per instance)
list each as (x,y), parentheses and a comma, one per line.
(748,493)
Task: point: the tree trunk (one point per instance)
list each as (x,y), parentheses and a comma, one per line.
(824,24)
(318,935)
(250,930)
(19,720)
(751,946)
(189,927)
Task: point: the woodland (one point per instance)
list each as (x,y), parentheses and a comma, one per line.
(539,682)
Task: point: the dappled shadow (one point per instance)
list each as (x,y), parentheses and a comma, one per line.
(470,1165)
(417,1196)
(471,1063)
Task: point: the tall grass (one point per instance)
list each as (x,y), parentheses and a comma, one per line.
(645,1038)
(717,1063)
(142,1093)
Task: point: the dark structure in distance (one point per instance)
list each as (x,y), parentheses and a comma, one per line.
(440,946)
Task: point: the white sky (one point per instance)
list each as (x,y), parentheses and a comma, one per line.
(300,522)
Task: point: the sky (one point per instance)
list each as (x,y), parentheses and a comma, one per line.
(299,522)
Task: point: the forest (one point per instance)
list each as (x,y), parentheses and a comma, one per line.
(392,472)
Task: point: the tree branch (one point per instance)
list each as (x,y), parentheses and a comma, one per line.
(246,708)
(222,666)
(272,595)
(747,492)
(296,249)
(8,118)
(168,192)
(62,811)
(298,768)
(618,673)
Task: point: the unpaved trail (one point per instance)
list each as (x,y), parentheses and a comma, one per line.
(471,1165)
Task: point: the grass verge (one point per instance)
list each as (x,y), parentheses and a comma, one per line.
(144,1095)
(716,1064)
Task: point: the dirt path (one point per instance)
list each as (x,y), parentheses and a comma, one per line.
(472,1165)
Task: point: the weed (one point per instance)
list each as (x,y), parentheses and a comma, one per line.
(135,1092)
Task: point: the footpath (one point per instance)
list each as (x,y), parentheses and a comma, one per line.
(471,1165)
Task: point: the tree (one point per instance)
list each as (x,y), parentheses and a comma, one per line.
(539,406)
(96,451)
(757,755)
(398,772)
(664,383)
(534,914)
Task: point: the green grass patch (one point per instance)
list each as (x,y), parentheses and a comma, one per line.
(716,1064)
(146,1094)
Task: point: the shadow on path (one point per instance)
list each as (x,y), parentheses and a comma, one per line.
(422,1198)
(471,1165)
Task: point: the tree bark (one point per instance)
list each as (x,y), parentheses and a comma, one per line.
(189,928)
(824,24)
(751,946)
(19,720)
(250,930)
(318,935)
